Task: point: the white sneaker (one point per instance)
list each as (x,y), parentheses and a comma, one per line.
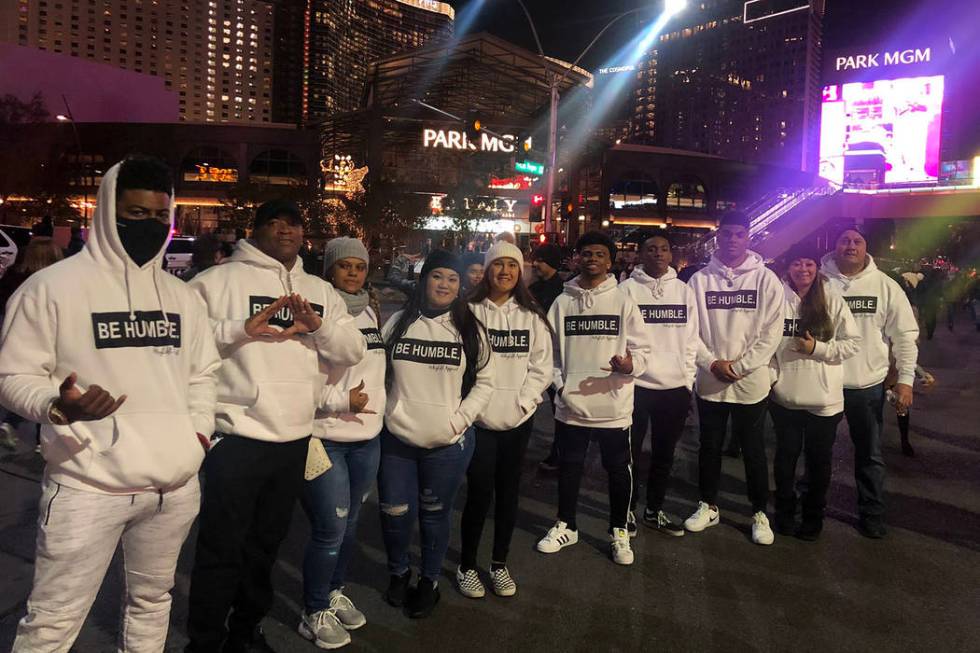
(469,584)
(324,629)
(619,542)
(702,518)
(761,533)
(503,584)
(349,617)
(559,536)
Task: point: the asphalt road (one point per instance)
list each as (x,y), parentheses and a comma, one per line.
(917,590)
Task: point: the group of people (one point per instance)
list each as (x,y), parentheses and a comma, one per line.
(282,386)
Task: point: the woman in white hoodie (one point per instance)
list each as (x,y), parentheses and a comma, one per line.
(347,423)
(440,379)
(819,334)
(520,339)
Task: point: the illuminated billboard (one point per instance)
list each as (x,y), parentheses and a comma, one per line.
(884,132)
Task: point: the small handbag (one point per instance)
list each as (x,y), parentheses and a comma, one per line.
(317,460)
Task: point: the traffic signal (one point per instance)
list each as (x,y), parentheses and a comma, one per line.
(536,210)
(473,126)
(543,239)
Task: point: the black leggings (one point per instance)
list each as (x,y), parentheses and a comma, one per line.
(798,431)
(493,474)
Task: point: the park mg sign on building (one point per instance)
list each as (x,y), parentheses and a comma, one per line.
(450,139)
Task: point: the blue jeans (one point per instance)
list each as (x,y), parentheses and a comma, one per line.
(334,500)
(863,410)
(420,482)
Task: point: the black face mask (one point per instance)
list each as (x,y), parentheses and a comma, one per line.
(141,239)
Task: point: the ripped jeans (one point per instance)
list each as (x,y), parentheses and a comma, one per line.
(420,482)
(333,501)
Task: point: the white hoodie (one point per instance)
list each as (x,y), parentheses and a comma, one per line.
(740,312)
(269,390)
(334,421)
(425,405)
(671,316)
(883,315)
(815,382)
(132,330)
(592,326)
(522,352)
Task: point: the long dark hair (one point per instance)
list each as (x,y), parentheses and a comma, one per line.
(520,293)
(814,315)
(476,347)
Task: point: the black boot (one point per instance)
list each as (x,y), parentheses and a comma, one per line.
(398,589)
(809,530)
(423,600)
(785,523)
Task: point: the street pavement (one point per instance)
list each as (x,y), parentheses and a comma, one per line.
(916,590)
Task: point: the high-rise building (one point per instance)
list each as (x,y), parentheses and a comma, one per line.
(735,79)
(324,48)
(215,54)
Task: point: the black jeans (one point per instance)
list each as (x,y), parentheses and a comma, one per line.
(800,431)
(863,411)
(665,412)
(748,423)
(614,445)
(494,475)
(250,489)
(553,453)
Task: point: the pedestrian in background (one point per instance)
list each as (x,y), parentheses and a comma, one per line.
(521,342)
(440,379)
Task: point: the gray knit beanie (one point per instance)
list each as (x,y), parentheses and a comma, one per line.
(344,247)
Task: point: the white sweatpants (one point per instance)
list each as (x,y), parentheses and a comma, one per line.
(77,536)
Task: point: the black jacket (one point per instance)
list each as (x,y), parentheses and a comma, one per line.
(547,291)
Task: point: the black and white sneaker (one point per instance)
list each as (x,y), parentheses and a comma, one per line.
(558,537)
(660,522)
(503,584)
(469,583)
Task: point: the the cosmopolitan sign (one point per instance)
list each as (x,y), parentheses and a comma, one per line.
(448,139)
(882,59)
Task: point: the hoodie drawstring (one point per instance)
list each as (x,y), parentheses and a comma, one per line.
(129,294)
(163,309)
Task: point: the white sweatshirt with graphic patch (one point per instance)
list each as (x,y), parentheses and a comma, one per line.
(270,390)
(740,316)
(592,326)
(334,421)
(134,331)
(814,382)
(425,405)
(671,317)
(884,317)
(522,353)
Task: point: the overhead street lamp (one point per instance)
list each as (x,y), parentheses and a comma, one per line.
(671,7)
(69,118)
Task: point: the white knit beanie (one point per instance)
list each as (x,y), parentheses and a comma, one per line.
(503,249)
(344,247)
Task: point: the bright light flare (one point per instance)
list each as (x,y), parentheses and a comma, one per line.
(674,7)
(62,118)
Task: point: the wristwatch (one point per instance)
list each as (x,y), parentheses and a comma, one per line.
(57,417)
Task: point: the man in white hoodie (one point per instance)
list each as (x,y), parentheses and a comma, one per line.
(124,469)
(275,325)
(884,317)
(663,394)
(601,348)
(740,311)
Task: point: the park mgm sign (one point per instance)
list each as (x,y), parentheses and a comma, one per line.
(451,139)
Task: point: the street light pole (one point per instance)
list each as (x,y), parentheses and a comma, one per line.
(556,81)
(78,147)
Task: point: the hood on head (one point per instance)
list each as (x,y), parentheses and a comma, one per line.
(640,275)
(104,243)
